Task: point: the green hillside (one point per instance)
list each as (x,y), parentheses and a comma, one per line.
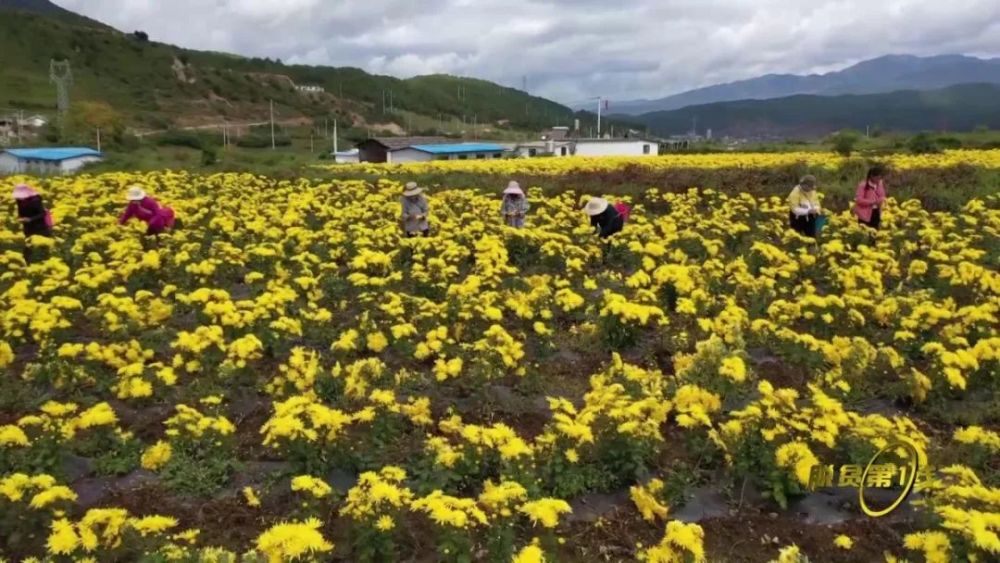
(957,108)
(156,86)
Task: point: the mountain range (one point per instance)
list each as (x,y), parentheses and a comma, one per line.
(955,108)
(151,86)
(880,75)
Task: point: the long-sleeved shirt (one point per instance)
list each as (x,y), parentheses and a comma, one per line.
(608,222)
(33,209)
(867,198)
(414,214)
(802,202)
(157,217)
(513,210)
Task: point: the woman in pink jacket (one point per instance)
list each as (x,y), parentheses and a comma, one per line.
(869,198)
(157,218)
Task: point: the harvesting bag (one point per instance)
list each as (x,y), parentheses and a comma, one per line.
(820,223)
(623,210)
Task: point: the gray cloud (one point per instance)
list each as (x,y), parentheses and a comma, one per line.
(569,50)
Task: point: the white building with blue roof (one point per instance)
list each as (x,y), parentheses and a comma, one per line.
(48,160)
(452,151)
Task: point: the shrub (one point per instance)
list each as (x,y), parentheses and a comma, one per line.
(922,143)
(176,138)
(843,143)
(256,141)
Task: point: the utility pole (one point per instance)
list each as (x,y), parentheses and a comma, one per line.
(312,149)
(475,126)
(20,118)
(334,135)
(392,108)
(273,145)
(98,139)
(383,101)
(600,102)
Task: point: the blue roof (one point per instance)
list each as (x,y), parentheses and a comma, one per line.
(459,148)
(52,153)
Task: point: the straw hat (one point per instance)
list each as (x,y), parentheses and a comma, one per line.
(808,181)
(135,193)
(513,188)
(412,189)
(22,191)
(595,206)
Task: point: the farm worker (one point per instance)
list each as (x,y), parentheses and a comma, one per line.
(514,206)
(31,213)
(804,208)
(157,218)
(606,218)
(415,210)
(869,198)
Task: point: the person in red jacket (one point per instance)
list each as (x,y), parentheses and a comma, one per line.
(157,218)
(870,198)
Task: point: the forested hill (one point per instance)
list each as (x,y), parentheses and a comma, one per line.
(154,85)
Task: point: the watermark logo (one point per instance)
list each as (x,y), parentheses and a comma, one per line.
(909,475)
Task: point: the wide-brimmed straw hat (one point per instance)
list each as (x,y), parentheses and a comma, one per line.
(513,188)
(135,193)
(595,206)
(808,181)
(412,189)
(23,191)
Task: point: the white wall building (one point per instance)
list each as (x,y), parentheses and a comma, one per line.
(545,148)
(54,160)
(35,121)
(346,157)
(616,147)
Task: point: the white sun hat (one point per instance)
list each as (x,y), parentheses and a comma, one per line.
(513,188)
(412,189)
(595,206)
(23,191)
(135,193)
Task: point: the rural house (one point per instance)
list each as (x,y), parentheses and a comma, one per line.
(545,148)
(377,149)
(457,151)
(53,160)
(34,121)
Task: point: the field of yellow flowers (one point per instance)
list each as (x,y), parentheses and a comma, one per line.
(285,378)
(986,159)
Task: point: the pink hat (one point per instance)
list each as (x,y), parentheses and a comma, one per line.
(22,191)
(513,188)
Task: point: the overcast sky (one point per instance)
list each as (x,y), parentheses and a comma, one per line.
(568,49)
